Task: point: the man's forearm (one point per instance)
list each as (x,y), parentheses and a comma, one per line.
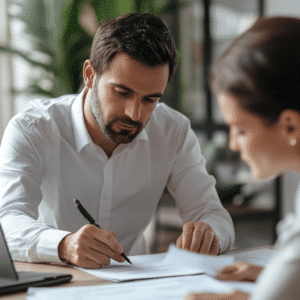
(29,240)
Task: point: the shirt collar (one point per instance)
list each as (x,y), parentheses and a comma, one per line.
(82,137)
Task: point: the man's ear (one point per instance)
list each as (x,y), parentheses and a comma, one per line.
(290,124)
(89,74)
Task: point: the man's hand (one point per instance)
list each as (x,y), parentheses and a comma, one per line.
(199,237)
(90,247)
(239,272)
(235,295)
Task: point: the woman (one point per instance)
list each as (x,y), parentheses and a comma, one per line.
(257,83)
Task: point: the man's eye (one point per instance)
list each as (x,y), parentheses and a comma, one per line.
(123,93)
(150,100)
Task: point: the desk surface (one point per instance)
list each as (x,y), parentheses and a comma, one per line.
(80,278)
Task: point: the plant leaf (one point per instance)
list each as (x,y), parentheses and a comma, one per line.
(26,56)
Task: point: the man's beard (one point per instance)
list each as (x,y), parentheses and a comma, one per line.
(123,136)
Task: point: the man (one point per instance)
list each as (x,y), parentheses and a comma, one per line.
(115,149)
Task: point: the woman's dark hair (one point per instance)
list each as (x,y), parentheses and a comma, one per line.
(261,68)
(143,36)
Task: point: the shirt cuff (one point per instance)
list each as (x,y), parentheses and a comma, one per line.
(48,244)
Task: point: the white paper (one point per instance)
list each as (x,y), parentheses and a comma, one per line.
(260,257)
(157,289)
(173,288)
(176,262)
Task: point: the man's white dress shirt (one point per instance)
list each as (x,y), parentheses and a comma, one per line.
(47,159)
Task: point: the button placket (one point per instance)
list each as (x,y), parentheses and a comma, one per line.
(106,196)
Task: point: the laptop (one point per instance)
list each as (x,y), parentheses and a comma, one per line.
(12,281)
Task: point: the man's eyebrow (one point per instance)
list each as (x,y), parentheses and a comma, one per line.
(123,87)
(130,90)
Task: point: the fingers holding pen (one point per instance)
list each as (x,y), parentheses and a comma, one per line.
(100,249)
(107,239)
(90,247)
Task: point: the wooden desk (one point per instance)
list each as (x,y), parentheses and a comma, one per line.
(79,278)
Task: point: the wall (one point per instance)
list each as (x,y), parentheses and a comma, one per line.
(290,179)
(280,7)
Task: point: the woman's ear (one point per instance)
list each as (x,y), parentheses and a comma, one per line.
(89,74)
(290,124)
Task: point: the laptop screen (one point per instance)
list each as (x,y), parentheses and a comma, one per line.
(7,269)
(11,281)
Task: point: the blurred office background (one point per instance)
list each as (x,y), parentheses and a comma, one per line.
(43,44)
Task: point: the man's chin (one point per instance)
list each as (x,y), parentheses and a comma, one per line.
(123,136)
(123,139)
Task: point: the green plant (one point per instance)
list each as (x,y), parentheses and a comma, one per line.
(61,40)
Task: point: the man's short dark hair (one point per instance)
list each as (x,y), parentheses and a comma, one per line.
(143,36)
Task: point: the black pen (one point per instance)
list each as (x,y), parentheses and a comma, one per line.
(90,219)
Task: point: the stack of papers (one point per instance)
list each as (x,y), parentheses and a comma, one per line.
(173,264)
(176,262)
(174,288)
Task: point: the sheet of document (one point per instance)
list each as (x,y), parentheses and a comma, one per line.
(175,262)
(259,257)
(164,288)
(174,288)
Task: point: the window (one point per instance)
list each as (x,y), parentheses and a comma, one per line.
(6,100)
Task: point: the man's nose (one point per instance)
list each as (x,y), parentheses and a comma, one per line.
(133,110)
